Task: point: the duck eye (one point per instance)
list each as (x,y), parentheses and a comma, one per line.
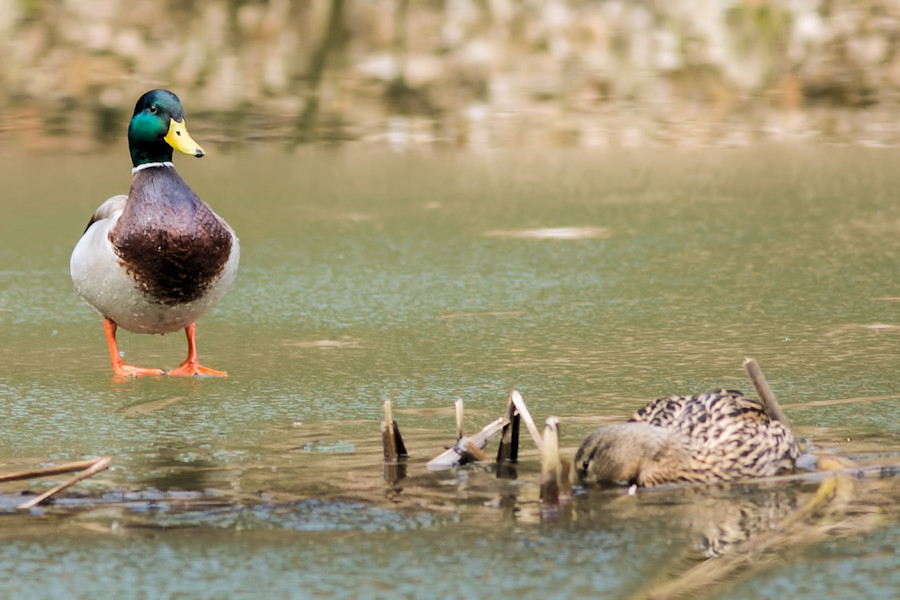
(153,109)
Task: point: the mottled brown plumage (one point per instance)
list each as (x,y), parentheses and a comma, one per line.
(721,436)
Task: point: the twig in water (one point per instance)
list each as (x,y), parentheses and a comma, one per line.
(47,471)
(460,452)
(95,467)
(516,398)
(764,391)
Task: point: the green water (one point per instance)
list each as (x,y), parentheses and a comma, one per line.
(367,276)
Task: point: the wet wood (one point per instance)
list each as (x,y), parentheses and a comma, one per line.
(516,398)
(387,442)
(47,471)
(391,440)
(770,405)
(460,453)
(387,433)
(475,453)
(508,450)
(556,483)
(99,464)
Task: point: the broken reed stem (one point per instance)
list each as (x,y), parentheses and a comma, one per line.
(508,449)
(388,412)
(764,391)
(97,465)
(387,442)
(46,471)
(391,440)
(550,463)
(387,433)
(398,441)
(458,409)
(516,398)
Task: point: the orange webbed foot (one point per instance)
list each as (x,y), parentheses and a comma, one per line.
(193,369)
(123,370)
(118,365)
(190,367)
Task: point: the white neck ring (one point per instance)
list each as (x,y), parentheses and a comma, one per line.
(151,165)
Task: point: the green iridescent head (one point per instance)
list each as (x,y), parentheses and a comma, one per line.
(157,127)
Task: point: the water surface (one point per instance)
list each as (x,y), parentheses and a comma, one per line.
(590,281)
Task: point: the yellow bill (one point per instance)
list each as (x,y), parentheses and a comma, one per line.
(179,138)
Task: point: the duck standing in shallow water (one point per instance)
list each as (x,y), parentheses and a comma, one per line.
(158,259)
(721,436)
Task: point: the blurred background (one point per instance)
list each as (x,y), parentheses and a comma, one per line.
(462,73)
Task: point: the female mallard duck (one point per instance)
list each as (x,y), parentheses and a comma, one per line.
(158,259)
(721,436)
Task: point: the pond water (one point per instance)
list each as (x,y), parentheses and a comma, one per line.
(592,281)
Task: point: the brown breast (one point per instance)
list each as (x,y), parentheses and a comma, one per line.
(170,241)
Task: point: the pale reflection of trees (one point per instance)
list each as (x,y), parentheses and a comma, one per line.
(462,72)
(333,40)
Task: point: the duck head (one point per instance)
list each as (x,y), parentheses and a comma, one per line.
(157,127)
(630,453)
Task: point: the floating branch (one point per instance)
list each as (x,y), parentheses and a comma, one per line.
(461,452)
(476,453)
(93,467)
(47,471)
(516,398)
(391,440)
(770,405)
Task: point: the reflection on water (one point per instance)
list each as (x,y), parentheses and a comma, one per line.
(591,282)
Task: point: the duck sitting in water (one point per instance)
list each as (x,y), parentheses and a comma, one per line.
(721,436)
(158,259)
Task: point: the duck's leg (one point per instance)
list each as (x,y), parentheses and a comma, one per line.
(190,366)
(118,365)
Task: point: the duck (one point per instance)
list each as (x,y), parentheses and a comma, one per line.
(715,437)
(156,260)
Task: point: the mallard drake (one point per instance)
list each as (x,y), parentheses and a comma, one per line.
(158,259)
(721,436)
